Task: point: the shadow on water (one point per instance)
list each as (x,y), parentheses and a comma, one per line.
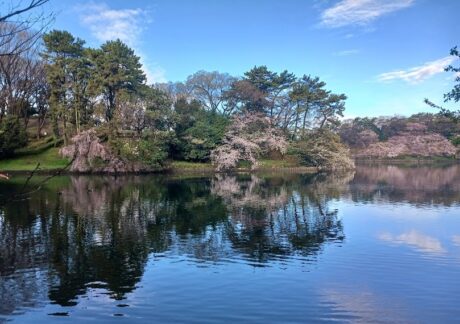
(83,232)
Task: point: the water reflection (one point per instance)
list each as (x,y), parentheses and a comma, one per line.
(82,233)
(94,232)
(413,238)
(423,185)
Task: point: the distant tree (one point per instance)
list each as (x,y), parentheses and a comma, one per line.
(243,96)
(209,87)
(21,75)
(307,95)
(117,70)
(274,86)
(40,93)
(333,106)
(148,108)
(175,90)
(19,21)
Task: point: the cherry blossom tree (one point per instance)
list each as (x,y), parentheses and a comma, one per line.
(249,136)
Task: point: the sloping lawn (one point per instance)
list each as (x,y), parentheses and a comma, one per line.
(49,159)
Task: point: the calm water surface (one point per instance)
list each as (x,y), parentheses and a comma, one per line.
(381,244)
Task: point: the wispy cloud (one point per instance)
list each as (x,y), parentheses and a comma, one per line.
(360,12)
(127,24)
(347,52)
(419,73)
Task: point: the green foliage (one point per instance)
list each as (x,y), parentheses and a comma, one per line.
(322,149)
(203,136)
(151,149)
(68,73)
(116,69)
(456,141)
(198,131)
(12,136)
(454,94)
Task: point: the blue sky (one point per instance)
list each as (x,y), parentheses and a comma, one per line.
(386,55)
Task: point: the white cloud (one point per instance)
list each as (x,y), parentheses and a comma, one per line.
(346,52)
(106,23)
(418,73)
(360,12)
(126,24)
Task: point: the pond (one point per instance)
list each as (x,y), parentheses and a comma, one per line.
(380,244)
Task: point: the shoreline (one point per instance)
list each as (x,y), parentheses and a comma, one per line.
(167,171)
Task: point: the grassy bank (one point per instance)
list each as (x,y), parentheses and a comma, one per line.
(49,160)
(264,165)
(27,159)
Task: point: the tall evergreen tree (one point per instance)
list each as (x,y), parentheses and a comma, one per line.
(117,70)
(67,75)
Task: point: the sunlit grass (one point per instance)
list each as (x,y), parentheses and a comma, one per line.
(49,159)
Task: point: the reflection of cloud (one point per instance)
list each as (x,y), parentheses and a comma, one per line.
(456,239)
(416,240)
(364,306)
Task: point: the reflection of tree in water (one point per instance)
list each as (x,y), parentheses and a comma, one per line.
(91,232)
(278,217)
(416,185)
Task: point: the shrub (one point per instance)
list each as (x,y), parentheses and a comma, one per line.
(202,137)
(12,136)
(153,148)
(456,141)
(322,149)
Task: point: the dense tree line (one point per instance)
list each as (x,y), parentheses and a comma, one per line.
(362,131)
(67,88)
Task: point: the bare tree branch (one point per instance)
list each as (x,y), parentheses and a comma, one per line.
(17,11)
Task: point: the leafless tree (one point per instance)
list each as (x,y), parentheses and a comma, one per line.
(209,87)
(21,75)
(22,17)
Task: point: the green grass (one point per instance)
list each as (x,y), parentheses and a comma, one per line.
(184,165)
(49,160)
(274,164)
